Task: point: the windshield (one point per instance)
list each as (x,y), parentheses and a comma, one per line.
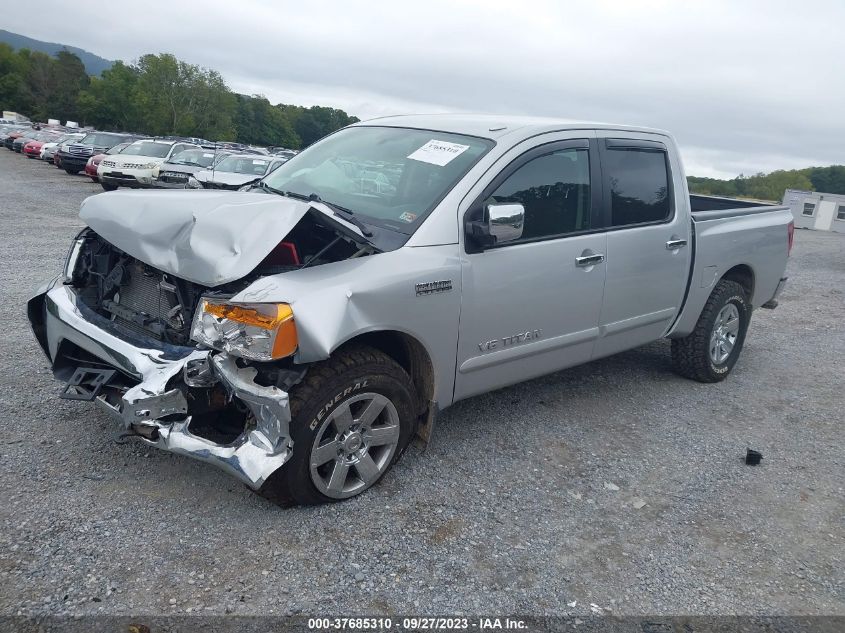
(117,149)
(395,175)
(244,165)
(100,140)
(147,148)
(195,157)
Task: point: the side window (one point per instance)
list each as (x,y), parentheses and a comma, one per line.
(639,185)
(555,191)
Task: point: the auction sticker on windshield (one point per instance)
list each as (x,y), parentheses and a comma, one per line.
(439,153)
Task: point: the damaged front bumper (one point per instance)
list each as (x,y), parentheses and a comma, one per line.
(160,380)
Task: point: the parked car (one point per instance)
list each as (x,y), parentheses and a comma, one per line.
(49,149)
(136,165)
(175,172)
(300,337)
(28,145)
(32,148)
(23,139)
(235,172)
(94,162)
(283,152)
(74,156)
(14,134)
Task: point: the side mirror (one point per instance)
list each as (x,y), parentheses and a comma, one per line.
(503,223)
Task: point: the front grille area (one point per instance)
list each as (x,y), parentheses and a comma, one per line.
(148,294)
(124,178)
(175,177)
(137,298)
(80,150)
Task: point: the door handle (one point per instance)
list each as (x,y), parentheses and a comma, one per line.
(671,245)
(589,260)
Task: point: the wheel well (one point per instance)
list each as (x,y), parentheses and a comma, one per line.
(744,276)
(411,356)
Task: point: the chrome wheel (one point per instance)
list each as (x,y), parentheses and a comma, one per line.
(354,445)
(724,335)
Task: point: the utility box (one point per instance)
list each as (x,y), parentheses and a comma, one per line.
(815,210)
(9,115)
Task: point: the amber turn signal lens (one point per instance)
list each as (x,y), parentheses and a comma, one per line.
(276,314)
(286,339)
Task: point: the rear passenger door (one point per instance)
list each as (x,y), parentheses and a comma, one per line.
(648,240)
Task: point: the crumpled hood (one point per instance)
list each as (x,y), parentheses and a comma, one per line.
(226,177)
(207,237)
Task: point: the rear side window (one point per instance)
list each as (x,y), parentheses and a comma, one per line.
(639,185)
(555,191)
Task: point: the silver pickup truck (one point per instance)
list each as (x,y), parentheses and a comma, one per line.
(300,334)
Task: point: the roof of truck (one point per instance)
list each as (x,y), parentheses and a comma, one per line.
(495,126)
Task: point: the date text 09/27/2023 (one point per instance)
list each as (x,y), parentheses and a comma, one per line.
(416,624)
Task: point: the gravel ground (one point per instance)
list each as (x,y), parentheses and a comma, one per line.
(617,484)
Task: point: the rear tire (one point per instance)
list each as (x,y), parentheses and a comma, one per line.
(108,187)
(352,418)
(709,353)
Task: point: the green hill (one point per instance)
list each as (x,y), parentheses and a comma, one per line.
(94,64)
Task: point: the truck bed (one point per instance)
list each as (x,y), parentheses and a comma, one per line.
(747,235)
(700,204)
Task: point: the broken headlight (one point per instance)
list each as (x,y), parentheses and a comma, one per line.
(255,331)
(72,258)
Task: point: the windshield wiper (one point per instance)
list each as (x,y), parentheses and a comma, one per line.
(262,185)
(342,212)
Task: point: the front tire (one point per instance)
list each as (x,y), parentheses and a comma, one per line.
(352,418)
(709,353)
(71,171)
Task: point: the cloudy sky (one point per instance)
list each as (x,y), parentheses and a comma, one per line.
(745,85)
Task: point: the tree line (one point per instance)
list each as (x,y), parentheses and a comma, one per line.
(157,95)
(771,186)
(161,95)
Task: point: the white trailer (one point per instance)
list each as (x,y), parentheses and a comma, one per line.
(815,210)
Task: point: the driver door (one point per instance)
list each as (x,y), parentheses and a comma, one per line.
(531,306)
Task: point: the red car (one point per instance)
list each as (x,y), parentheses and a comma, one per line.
(91,166)
(94,161)
(33,149)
